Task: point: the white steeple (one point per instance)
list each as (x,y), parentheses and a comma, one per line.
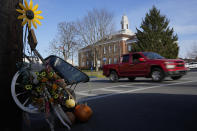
(125,22)
(125,26)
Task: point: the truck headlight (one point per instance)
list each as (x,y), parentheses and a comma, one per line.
(170,66)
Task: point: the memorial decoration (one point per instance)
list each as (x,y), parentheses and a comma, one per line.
(45,89)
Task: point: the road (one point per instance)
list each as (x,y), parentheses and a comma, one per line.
(98,88)
(141,105)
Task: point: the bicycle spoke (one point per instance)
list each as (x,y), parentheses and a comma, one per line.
(21,93)
(26,101)
(19,85)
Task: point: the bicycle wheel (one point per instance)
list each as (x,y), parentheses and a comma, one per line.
(20,95)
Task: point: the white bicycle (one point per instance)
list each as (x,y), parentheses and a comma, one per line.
(35,87)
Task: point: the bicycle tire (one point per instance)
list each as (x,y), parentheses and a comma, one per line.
(14,85)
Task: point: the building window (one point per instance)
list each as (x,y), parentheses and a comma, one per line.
(110,61)
(87,63)
(109,49)
(115,60)
(114,48)
(104,50)
(83,63)
(92,63)
(129,48)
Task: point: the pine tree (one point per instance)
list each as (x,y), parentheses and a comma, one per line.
(156,35)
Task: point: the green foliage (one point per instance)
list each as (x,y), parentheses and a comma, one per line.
(156,35)
(98,74)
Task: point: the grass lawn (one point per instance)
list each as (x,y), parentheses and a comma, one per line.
(98,74)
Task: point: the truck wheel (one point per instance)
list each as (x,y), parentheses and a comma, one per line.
(113,76)
(157,75)
(176,77)
(131,78)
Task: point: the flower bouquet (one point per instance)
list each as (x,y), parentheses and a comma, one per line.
(36,83)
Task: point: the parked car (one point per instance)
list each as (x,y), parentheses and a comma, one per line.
(192,65)
(187,66)
(145,64)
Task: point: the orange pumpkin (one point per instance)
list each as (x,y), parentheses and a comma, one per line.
(83,112)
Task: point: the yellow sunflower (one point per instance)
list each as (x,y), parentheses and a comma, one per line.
(29,14)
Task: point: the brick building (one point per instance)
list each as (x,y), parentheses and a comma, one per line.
(109,50)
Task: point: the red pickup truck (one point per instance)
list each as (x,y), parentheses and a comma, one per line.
(145,64)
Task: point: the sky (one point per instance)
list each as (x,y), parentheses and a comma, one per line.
(181,13)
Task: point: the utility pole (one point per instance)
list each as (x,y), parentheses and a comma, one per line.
(11,47)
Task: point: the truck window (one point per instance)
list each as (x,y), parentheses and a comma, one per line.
(125,59)
(152,55)
(136,57)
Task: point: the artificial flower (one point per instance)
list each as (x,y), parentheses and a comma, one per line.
(29,14)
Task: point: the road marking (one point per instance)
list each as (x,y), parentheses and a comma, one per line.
(125,86)
(156,86)
(104,89)
(131,85)
(85,94)
(129,91)
(140,83)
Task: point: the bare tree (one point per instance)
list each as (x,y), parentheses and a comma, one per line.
(65,42)
(193,51)
(94,27)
